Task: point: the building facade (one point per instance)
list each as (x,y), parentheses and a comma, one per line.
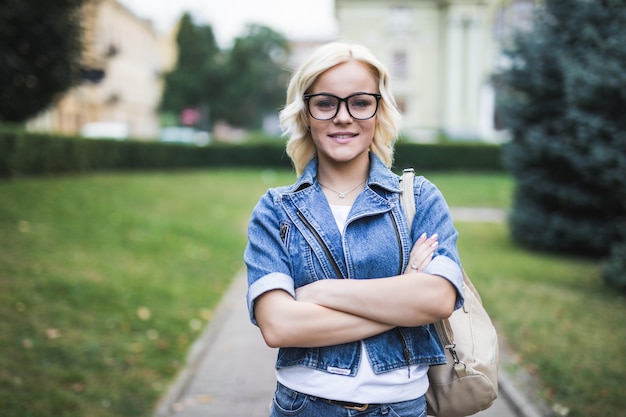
(441,55)
(121,75)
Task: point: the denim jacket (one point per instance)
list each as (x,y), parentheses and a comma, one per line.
(293,240)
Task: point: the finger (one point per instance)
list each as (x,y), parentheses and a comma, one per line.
(421,257)
(423,244)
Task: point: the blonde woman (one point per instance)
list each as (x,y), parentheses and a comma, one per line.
(337,278)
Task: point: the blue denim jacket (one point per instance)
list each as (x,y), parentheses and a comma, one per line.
(293,240)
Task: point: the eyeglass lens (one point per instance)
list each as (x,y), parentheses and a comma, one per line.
(360,106)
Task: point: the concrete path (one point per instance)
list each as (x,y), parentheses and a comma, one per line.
(230,370)
(472,214)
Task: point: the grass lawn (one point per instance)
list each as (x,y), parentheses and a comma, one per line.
(563,325)
(106,280)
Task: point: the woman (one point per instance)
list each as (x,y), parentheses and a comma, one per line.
(326,256)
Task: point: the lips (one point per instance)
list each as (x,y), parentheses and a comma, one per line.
(342,136)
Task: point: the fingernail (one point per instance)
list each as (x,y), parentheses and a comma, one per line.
(435,236)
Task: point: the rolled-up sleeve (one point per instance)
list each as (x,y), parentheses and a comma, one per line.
(267,262)
(273,281)
(433,216)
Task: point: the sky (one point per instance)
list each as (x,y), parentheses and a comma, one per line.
(297,19)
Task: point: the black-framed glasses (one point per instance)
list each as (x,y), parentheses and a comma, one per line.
(360,106)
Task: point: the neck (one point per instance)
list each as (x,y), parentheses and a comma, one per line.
(342,176)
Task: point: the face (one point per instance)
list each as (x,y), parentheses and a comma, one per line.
(343,139)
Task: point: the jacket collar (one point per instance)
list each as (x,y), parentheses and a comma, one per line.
(379,175)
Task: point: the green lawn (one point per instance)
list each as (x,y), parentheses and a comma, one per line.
(106,280)
(564,326)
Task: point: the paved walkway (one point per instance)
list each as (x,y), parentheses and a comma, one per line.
(230,370)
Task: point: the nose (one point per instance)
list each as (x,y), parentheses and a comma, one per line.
(343,114)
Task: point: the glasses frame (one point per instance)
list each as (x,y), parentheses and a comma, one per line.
(307,99)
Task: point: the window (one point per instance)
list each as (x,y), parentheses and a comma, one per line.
(400,68)
(400,18)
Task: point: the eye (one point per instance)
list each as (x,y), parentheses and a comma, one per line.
(325,103)
(361,102)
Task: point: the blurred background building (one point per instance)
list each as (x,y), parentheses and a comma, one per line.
(121,77)
(441,54)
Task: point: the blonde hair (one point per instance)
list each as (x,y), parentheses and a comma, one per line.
(293,118)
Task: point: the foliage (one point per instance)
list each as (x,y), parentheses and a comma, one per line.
(256,78)
(451,156)
(196,80)
(239,86)
(26,153)
(614,272)
(40,49)
(563,100)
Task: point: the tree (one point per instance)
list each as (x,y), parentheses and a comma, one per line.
(563,99)
(196,80)
(239,86)
(40,49)
(256,78)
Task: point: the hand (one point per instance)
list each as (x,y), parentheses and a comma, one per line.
(422,253)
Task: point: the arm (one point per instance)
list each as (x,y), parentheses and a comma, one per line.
(406,300)
(414,299)
(411,299)
(286,322)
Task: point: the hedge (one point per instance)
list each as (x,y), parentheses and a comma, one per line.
(26,153)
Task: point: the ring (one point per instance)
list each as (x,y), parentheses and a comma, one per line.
(413,266)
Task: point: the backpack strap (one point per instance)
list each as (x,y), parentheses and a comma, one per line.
(407,198)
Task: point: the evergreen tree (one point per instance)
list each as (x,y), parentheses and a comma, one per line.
(40,49)
(563,99)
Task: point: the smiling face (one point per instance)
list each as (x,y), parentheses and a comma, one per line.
(343,139)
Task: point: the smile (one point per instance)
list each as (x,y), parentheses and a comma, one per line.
(343,135)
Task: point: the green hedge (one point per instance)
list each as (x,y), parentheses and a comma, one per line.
(26,153)
(449,157)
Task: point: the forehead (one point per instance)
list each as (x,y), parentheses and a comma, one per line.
(346,78)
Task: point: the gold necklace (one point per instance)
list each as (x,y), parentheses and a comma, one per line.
(339,193)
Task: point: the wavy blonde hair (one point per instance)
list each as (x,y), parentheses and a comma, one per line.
(293,118)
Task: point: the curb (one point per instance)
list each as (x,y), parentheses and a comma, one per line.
(199,348)
(519,403)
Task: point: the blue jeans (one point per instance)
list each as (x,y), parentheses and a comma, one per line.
(288,402)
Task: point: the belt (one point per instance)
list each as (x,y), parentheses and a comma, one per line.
(349,405)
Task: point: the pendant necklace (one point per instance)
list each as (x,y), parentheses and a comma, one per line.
(339,193)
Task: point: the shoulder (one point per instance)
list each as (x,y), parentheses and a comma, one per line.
(269,204)
(274,194)
(422,184)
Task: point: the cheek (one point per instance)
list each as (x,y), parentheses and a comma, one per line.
(315,128)
(371,127)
